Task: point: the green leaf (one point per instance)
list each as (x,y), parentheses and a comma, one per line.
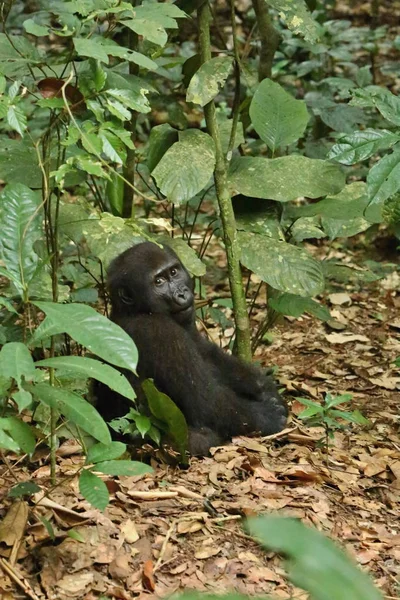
(20,226)
(257,215)
(101,452)
(17,55)
(26,488)
(143,424)
(75,535)
(186,168)
(97,333)
(390,211)
(19,163)
(209,80)
(74,408)
(152,19)
(20,432)
(389,106)
(23,399)
(285,178)
(276,116)
(7,443)
(161,139)
(164,409)
(93,489)
(16,362)
(6,303)
(34,28)
(383,181)
(285,267)
(91,48)
(315,564)
(186,254)
(336,228)
(306,228)
(295,306)
(94,369)
(297,17)
(361,145)
(17,119)
(129,468)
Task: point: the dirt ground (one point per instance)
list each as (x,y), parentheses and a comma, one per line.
(179,529)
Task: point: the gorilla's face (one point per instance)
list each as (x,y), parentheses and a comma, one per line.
(152,280)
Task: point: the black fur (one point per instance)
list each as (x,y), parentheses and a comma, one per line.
(220,395)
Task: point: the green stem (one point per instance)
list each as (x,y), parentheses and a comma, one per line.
(225,202)
(269,38)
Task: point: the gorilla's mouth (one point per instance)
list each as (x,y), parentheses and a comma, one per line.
(183,310)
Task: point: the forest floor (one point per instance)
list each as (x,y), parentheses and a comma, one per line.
(181,529)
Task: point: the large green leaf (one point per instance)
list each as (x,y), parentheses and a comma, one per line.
(16,362)
(336,228)
(297,17)
(187,255)
(383,182)
(164,409)
(20,432)
(88,367)
(285,267)
(74,408)
(130,468)
(277,117)
(93,489)
(87,327)
(257,215)
(161,139)
(186,167)
(152,19)
(208,81)
(315,563)
(19,163)
(17,55)
(359,146)
(285,178)
(294,306)
(20,226)
(306,228)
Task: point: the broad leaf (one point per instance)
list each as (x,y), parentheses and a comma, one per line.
(277,117)
(164,409)
(16,362)
(74,408)
(307,228)
(161,139)
(186,168)
(315,563)
(17,55)
(297,17)
(258,216)
(285,267)
(359,146)
(87,327)
(129,468)
(101,452)
(94,369)
(295,306)
(20,432)
(20,226)
(285,178)
(208,81)
(187,255)
(19,163)
(383,182)
(152,19)
(93,489)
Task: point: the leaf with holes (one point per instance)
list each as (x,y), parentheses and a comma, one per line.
(285,267)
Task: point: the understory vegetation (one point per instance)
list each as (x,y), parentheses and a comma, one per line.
(257,138)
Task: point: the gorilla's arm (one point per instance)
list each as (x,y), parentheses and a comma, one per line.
(168,354)
(248,381)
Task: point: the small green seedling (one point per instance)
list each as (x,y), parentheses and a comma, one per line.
(327,416)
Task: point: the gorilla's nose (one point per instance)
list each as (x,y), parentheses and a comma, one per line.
(182,297)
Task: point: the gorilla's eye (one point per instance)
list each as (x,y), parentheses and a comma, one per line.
(159,281)
(173,271)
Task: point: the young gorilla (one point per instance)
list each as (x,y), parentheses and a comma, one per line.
(220,395)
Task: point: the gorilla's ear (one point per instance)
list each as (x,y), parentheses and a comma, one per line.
(124,296)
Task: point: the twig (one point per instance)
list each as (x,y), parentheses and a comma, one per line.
(18,579)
